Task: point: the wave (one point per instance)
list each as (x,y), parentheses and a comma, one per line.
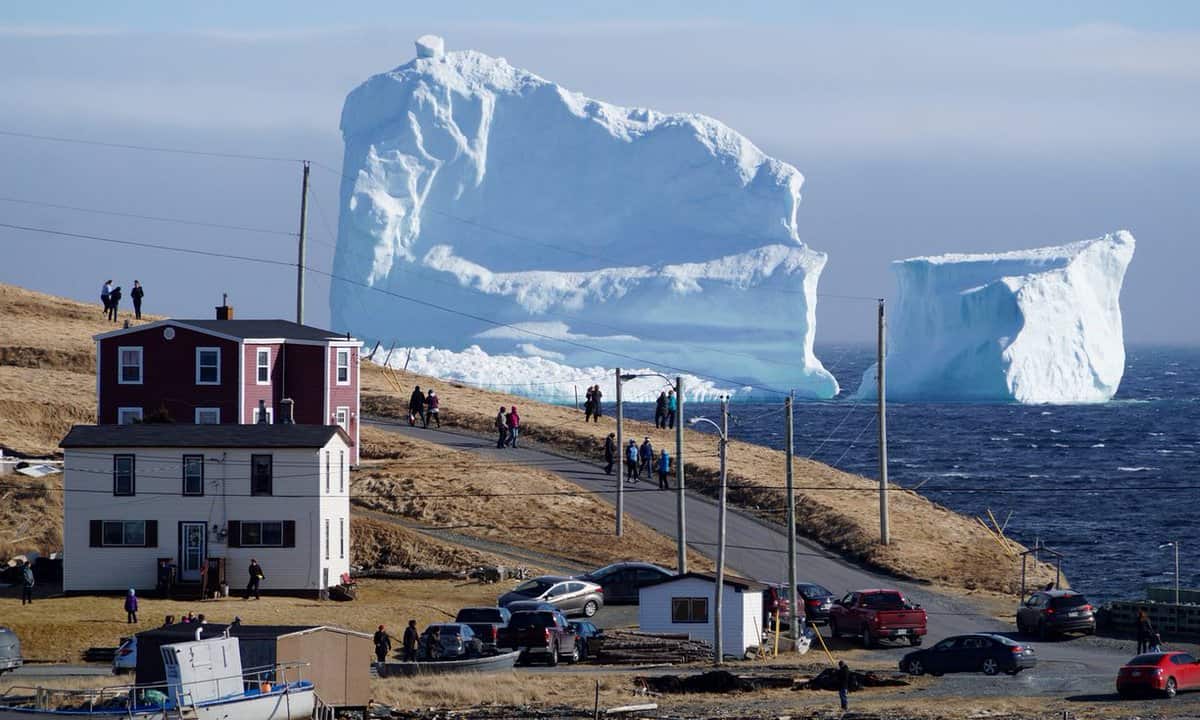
(1136,468)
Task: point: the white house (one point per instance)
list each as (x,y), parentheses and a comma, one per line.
(684,604)
(138,494)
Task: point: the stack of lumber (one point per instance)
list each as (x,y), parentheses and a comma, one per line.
(628,647)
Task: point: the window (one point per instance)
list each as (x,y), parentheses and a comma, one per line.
(261,534)
(270,416)
(341,471)
(208,366)
(124,533)
(129,365)
(342,417)
(326,538)
(129,415)
(689,610)
(208,416)
(327,478)
(261,475)
(343,366)
(123,475)
(193,474)
(263,365)
(342,538)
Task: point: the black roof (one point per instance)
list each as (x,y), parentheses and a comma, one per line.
(201,436)
(740,583)
(264,329)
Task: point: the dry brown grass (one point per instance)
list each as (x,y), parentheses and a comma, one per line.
(375,543)
(506,688)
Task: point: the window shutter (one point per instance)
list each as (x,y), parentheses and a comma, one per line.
(96,533)
(289,533)
(235,534)
(152,533)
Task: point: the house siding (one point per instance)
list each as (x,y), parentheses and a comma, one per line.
(252,392)
(298,475)
(305,368)
(742,613)
(344,396)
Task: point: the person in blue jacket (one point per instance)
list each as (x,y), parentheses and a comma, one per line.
(631,462)
(664,469)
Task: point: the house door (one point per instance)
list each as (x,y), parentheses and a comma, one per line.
(191,550)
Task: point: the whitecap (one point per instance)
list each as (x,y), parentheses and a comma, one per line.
(1136,468)
(1098,445)
(1055,431)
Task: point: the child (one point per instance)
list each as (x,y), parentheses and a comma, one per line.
(1156,643)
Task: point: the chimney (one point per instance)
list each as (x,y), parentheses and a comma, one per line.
(224,310)
(286,406)
(262,412)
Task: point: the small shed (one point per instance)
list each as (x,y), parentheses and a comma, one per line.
(338,661)
(684,604)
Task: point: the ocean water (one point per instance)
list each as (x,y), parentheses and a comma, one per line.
(1103,484)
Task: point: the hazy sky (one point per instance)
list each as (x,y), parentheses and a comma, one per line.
(943,127)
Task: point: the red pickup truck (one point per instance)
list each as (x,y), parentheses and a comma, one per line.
(541,633)
(875,615)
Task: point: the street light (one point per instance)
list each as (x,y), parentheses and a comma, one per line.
(680,517)
(1174,544)
(718,605)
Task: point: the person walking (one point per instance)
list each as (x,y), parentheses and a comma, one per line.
(256,577)
(596,395)
(843,678)
(114,302)
(587,404)
(672,407)
(610,452)
(105,293)
(383,644)
(501,426)
(646,457)
(514,426)
(26,583)
(660,411)
(416,407)
(432,407)
(631,461)
(131,603)
(664,469)
(1145,631)
(410,641)
(136,294)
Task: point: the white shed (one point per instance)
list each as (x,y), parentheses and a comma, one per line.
(684,604)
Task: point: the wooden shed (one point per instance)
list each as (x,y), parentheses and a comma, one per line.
(337,660)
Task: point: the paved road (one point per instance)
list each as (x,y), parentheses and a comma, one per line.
(758,550)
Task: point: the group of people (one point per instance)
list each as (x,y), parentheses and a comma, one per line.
(665,409)
(111,296)
(508,426)
(424,408)
(638,460)
(591,404)
(383,642)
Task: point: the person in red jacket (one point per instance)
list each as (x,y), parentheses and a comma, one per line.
(513,420)
(432,406)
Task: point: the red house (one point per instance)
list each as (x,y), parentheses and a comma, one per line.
(224,370)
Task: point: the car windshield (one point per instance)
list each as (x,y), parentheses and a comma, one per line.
(534,588)
(813,591)
(1149,659)
(450,631)
(531,619)
(1069,601)
(479,615)
(884,601)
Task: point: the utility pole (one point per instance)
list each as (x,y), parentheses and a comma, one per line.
(680,519)
(718,644)
(620,463)
(300,260)
(793,594)
(884,533)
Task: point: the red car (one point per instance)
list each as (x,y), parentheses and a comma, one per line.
(1164,673)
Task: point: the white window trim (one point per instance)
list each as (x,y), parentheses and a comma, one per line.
(120,410)
(270,416)
(199,350)
(342,410)
(257,353)
(196,415)
(328,477)
(337,365)
(326,538)
(341,471)
(141,365)
(341,538)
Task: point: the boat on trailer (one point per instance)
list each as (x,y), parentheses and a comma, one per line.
(205,681)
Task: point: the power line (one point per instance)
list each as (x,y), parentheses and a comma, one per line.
(157,218)
(148,148)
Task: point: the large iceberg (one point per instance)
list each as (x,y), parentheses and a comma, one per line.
(559,224)
(1032,326)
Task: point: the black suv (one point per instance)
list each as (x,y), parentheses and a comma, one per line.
(1047,612)
(817,601)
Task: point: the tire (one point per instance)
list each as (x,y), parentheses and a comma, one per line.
(914,640)
(990,666)
(552,658)
(867,640)
(574,657)
(1172,688)
(915,667)
(590,608)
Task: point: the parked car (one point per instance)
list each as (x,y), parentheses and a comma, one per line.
(543,634)
(10,650)
(486,622)
(1164,673)
(621,581)
(776,599)
(125,660)
(585,634)
(982,652)
(529,606)
(571,595)
(817,602)
(1047,612)
(875,615)
(446,641)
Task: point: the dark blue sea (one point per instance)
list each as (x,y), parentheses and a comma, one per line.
(1103,484)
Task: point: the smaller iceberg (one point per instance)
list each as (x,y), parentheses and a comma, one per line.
(1030,326)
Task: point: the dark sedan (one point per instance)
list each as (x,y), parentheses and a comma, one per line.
(817,601)
(586,634)
(621,581)
(1056,611)
(984,652)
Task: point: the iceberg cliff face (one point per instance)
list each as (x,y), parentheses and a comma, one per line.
(485,188)
(1034,326)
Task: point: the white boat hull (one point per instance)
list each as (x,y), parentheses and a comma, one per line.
(296,704)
